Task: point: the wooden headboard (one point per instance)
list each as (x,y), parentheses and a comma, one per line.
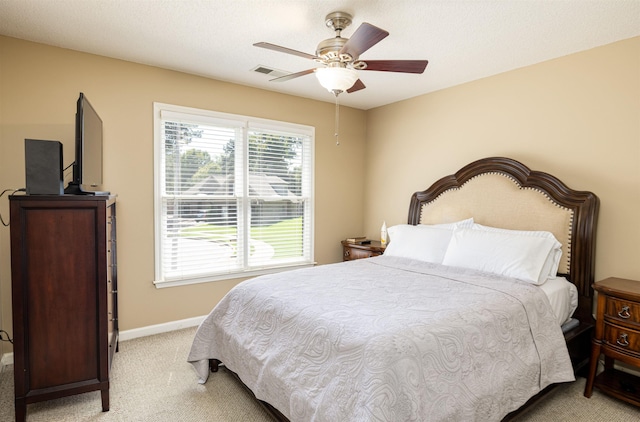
(505,193)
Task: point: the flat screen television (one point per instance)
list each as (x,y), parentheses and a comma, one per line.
(87,167)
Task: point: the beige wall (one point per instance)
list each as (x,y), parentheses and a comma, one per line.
(577,117)
(38,89)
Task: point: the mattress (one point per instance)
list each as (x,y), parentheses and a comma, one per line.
(385,339)
(563,298)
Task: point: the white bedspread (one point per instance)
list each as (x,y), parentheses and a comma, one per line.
(386,339)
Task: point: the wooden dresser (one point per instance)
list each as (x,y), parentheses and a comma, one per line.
(617,336)
(351,251)
(64,296)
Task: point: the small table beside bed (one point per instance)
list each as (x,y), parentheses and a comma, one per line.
(480,304)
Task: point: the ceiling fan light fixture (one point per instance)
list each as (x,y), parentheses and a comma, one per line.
(336,79)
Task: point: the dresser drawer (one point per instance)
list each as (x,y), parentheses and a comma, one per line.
(622,338)
(623,310)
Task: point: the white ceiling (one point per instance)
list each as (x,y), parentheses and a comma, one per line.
(463,40)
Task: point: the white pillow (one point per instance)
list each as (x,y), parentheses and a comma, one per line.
(422,242)
(509,254)
(462,224)
(553,259)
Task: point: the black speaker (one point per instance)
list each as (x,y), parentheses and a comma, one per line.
(43,164)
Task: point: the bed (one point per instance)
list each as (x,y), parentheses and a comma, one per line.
(480,304)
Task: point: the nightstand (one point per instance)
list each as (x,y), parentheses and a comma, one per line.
(351,251)
(617,336)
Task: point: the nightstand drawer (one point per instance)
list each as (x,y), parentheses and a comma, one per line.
(617,337)
(622,338)
(623,310)
(352,251)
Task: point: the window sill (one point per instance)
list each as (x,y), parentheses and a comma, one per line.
(228,276)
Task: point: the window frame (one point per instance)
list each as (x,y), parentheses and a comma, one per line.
(247,123)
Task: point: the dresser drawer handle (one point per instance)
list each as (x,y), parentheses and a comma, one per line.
(622,340)
(624,313)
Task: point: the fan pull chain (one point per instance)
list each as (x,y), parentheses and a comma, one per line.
(337,125)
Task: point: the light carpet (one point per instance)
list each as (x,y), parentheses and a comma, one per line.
(152,381)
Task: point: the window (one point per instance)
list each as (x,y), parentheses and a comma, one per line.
(233,195)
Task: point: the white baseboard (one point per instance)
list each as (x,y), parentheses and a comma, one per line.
(626,368)
(161,328)
(7,358)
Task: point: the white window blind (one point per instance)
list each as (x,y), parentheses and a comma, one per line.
(233,195)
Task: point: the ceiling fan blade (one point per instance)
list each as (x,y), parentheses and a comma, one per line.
(292,75)
(356,87)
(281,49)
(365,37)
(404,66)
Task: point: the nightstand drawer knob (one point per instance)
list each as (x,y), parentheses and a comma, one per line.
(624,313)
(622,340)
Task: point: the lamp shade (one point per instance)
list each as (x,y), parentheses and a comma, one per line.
(336,78)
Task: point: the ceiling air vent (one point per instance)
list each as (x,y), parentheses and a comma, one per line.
(272,73)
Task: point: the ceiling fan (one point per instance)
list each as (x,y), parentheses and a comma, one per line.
(340,57)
